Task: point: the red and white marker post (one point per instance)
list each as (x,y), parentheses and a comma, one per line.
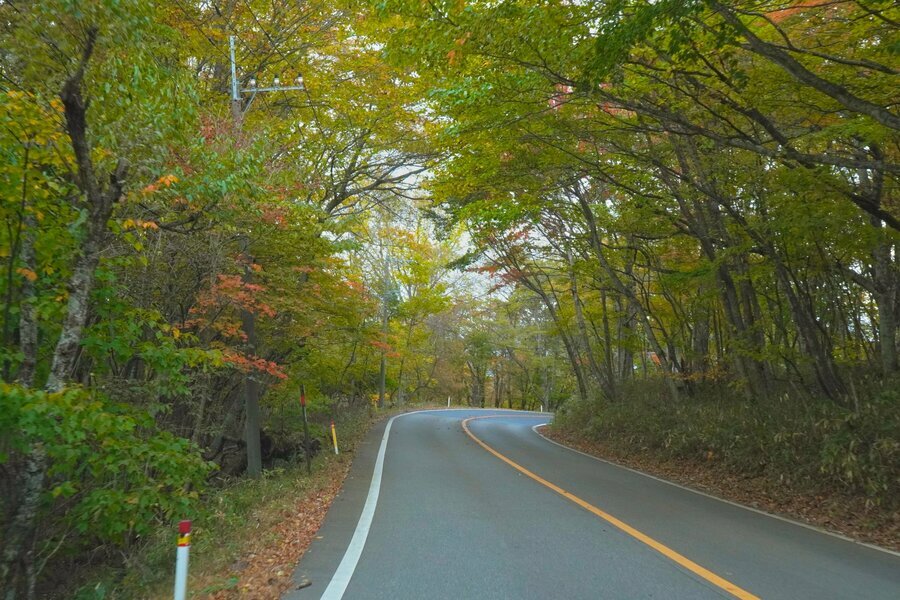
(181,560)
(334,437)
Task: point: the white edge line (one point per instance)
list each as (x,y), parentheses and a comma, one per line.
(736,504)
(341,578)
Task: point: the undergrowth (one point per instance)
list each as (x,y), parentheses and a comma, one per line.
(227,518)
(807,444)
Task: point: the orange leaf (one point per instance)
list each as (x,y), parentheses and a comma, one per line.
(27,274)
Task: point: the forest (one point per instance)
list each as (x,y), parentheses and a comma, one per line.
(675,224)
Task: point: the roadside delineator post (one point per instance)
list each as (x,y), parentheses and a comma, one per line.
(305,429)
(448,401)
(334,437)
(181,559)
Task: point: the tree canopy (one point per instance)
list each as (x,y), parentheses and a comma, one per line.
(516,203)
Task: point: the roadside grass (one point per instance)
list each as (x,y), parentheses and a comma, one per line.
(237,520)
(841,461)
(247,510)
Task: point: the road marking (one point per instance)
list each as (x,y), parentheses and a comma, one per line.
(718,499)
(341,578)
(672,555)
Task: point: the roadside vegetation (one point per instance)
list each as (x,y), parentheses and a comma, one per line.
(675,223)
(812,460)
(247,535)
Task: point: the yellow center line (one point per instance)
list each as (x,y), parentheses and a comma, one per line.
(682,560)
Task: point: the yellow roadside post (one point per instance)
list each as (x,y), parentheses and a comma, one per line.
(334,437)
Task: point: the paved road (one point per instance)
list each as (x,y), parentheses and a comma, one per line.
(454,520)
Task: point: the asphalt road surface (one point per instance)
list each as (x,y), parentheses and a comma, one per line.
(431,510)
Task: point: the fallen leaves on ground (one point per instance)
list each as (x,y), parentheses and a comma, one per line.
(841,514)
(268,561)
(264,571)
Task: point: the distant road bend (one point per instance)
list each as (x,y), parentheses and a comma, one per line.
(461,504)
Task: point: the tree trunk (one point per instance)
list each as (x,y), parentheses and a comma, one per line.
(21,528)
(829,380)
(629,296)
(624,338)
(251,403)
(583,337)
(700,332)
(815,343)
(15,243)
(704,219)
(886,288)
(28,328)
(18,537)
(569,345)
(478,384)
(607,347)
(100,204)
(498,386)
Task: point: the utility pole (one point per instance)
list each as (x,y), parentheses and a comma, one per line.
(236,110)
(385,322)
(248,319)
(382,372)
(305,429)
(251,392)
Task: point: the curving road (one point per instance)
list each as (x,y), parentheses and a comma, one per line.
(463,504)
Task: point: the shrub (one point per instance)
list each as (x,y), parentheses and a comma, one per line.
(860,449)
(813,444)
(113,475)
